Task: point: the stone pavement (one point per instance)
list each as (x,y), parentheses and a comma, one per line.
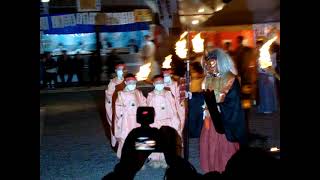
(75,145)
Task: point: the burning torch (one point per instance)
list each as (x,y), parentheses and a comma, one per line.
(265,58)
(182,50)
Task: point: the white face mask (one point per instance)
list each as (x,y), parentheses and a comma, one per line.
(119,74)
(131,87)
(159,87)
(167,79)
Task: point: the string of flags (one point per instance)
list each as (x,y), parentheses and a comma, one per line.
(89,18)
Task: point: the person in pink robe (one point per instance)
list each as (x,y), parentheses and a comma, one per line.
(174,88)
(126,106)
(119,68)
(166,114)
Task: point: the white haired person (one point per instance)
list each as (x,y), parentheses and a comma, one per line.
(224,123)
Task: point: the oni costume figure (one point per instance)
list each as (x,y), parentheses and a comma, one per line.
(110,101)
(127,102)
(174,88)
(166,114)
(224,124)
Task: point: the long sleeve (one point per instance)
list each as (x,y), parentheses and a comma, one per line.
(149,100)
(176,121)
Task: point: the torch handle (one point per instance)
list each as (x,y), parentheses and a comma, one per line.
(274,73)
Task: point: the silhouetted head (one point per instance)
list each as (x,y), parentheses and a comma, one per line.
(252,163)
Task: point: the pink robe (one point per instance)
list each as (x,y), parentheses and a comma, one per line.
(175,91)
(108,104)
(126,110)
(215,149)
(165,114)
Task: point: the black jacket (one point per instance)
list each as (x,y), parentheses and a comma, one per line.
(64,65)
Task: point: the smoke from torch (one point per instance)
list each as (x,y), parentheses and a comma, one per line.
(167,61)
(144,72)
(265,58)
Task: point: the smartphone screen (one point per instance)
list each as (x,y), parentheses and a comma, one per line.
(145,143)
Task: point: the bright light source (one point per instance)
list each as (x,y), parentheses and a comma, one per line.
(181,48)
(265,58)
(194,22)
(220,7)
(167,61)
(45,1)
(274,149)
(183,35)
(143,72)
(197,44)
(201,10)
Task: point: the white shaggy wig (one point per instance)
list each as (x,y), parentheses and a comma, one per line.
(224,61)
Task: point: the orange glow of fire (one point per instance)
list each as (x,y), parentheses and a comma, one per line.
(144,72)
(274,149)
(167,61)
(265,58)
(197,44)
(181,48)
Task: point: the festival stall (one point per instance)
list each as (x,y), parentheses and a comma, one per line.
(80,33)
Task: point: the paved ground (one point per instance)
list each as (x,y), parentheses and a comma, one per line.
(75,145)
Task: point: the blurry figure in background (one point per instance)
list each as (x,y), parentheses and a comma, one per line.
(78,64)
(42,71)
(65,68)
(148,53)
(166,114)
(127,102)
(51,70)
(109,93)
(247,72)
(95,68)
(275,48)
(227,48)
(112,59)
(133,47)
(239,44)
(237,53)
(224,124)
(172,85)
(197,100)
(267,88)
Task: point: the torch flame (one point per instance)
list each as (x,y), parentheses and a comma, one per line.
(197,44)
(144,72)
(274,149)
(181,49)
(167,61)
(183,35)
(265,58)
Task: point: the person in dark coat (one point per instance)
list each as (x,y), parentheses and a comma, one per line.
(65,68)
(78,64)
(95,70)
(51,70)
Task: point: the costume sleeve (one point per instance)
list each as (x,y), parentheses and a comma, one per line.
(111,88)
(149,100)
(176,121)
